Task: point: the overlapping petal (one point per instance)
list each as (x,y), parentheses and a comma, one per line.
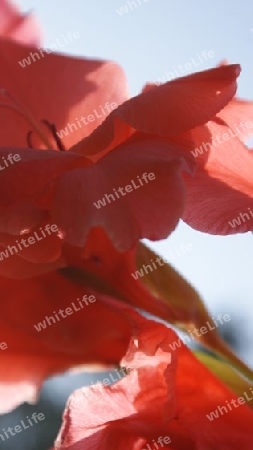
(167,110)
(238,114)
(34,173)
(130,216)
(166,394)
(220,195)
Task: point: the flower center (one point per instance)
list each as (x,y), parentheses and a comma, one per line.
(12,103)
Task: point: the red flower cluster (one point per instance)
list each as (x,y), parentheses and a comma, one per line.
(170,131)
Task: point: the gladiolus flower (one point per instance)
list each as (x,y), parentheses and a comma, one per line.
(63,187)
(58,343)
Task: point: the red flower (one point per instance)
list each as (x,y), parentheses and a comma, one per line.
(145,135)
(97,333)
(168,394)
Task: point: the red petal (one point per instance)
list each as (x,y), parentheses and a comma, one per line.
(172,108)
(237,114)
(135,215)
(35,170)
(221,189)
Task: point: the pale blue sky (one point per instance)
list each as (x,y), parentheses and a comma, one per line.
(147,41)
